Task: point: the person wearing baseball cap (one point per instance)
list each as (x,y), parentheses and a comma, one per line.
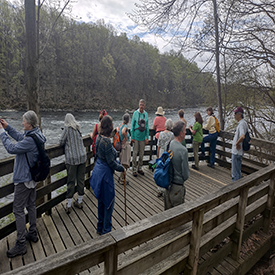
(237,145)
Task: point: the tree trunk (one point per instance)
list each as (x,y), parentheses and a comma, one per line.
(218,65)
(31,59)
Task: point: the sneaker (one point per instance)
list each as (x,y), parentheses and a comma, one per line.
(18,249)
(78,205)
(194,167)
(141,172)
(135,174)
(210,165)
(68,210)
(32,238)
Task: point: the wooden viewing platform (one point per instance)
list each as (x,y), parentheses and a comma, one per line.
(60,231)
(154,241)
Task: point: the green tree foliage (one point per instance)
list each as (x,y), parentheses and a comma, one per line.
(89,66)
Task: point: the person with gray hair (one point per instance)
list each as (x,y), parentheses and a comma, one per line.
(178,170)
(75,160)
(125,154)
(24,186)
(164,139)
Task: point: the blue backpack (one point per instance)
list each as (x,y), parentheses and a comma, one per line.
(161,175)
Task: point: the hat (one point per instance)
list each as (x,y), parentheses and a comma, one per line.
(160,111)
(238,110)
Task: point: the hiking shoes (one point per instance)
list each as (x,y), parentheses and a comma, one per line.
(141,172)
(32,238)
(202,155)
(18,249)
(195,167)
(68,210)
(135,174)
(211,165)
(78,205)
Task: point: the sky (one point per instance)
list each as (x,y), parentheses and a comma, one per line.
(114,12)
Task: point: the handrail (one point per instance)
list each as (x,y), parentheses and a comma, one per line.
(52,183)
(233,204)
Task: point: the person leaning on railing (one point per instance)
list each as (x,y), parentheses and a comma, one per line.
(24,186)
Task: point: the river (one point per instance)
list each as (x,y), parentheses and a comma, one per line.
(53,121)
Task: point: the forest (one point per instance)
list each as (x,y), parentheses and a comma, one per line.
(88,65)
(84,66)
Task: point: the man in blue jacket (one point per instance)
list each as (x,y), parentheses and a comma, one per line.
(140,136)
(24,185)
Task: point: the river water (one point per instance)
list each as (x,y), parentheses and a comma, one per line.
(53,121)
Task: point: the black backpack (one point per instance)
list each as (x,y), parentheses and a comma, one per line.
(41,168)
(246,142)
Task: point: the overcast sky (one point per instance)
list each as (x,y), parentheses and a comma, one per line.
(114,12)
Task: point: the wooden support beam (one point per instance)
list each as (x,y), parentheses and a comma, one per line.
(194,253)
(270,201)
(110,262)
(238,233)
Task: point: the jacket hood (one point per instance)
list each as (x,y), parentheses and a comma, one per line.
(36,131)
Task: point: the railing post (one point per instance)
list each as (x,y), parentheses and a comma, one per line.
(88,162)
(194,252)
(49,195)
(238,232)
(270,202)
(110,262)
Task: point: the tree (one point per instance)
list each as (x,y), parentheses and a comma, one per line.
(32,59)
(181,19)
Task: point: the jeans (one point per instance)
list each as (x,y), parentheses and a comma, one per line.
(236,167)
(104,224)
(75,172)
(24,197)
(212,138)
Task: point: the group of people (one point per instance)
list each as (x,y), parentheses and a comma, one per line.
(169,135)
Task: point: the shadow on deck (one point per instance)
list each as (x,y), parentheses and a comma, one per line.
(60,231)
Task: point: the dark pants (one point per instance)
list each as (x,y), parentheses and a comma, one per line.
(212,138)
(24,197)
(75,173)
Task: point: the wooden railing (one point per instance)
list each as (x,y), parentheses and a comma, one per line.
(178,236)
(57,178)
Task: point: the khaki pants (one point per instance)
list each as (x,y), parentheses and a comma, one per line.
(196,146)
(138,149)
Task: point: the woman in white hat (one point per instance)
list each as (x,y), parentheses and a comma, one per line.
(159,123)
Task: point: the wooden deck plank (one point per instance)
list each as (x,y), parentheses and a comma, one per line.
(62,229)
(55,238)
(45,238)
(17,261)
(4,261)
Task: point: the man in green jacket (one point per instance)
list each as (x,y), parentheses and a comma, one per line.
(140,136)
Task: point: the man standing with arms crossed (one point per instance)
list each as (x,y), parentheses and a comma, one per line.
(237,146)
(140,136)
(178,170)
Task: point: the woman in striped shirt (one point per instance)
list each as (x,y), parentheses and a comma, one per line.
(75,160)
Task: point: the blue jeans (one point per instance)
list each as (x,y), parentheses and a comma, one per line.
(212,138)
(104,224)
(236,167)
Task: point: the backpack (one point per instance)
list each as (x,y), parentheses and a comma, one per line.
(94,140)
(218,127)
(161,175)
(141,124)
(246,142)
(41,168)
(117,141)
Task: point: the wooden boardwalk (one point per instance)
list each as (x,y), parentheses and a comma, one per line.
(60,231)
